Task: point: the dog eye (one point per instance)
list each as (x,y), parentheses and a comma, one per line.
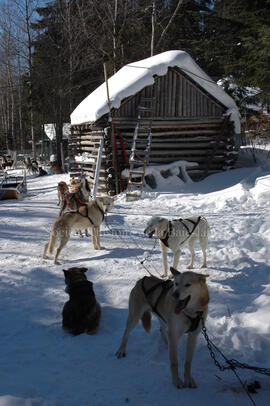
(187,285)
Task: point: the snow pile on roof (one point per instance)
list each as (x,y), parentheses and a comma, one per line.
(135,76)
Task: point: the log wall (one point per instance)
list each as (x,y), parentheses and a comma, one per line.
(187,122)
(176,96)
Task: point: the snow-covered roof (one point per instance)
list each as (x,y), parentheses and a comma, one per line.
(133,77)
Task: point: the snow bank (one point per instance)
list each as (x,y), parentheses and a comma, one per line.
(167,178)
(135,76)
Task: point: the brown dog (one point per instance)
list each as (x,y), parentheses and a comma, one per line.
(180,305)
(62,188)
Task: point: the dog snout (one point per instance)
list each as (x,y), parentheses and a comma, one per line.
(176,294)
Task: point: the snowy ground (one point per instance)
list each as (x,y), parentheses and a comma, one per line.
(43,365)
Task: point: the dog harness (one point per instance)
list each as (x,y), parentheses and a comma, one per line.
(165,286)
(69,196)
(87,213)
(170,230)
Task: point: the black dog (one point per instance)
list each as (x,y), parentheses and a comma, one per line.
(81,314)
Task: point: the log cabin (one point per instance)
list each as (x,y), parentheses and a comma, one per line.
(186,115)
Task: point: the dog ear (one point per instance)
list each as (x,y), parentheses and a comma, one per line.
(65,272)
(84,269)
(202,277)
(174,271)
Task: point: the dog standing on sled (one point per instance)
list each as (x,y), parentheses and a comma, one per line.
(180,305)
(175,233)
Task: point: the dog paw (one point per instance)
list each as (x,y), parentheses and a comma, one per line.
(189,266)
(120,354)
(163,275)
(45,257)
(203,266)
(178,383)
(190,383)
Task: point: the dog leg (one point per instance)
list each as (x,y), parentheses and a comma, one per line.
(173,354)
(98,237)
(203,245)
(191,243)
(176,257)
(95,238)
(45,256)
(136,308)
(164,251)
(163,331)
(191,344)
(131,324)
(63,242)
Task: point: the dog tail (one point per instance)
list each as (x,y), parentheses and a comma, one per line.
(146,321)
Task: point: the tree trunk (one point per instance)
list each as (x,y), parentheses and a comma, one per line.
(27,19)
(153,26)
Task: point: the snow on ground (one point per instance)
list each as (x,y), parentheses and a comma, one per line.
(42,365)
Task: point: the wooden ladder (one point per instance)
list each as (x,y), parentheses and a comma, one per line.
(140,150)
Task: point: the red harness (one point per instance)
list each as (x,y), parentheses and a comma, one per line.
(70,196)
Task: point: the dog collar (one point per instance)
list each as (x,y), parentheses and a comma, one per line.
(194,321)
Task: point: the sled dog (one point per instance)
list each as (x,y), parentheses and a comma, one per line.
(90,215)
(78,197)
(81,313)
(180,305)
(62,189)
(175,233)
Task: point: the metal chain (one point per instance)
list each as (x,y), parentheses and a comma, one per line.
(259,370)
(212,354)
(232,363)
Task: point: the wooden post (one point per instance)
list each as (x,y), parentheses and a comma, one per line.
(98,164)
(113,130)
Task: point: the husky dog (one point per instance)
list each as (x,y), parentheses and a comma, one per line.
(62,189)
(77,198)
(173,234)
(81,314)
(180,305)
(90,215)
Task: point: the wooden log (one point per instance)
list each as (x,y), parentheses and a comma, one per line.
(166,123)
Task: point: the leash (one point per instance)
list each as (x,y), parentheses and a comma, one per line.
(232,364)
(141,261)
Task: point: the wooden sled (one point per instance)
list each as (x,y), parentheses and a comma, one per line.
(13,187)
